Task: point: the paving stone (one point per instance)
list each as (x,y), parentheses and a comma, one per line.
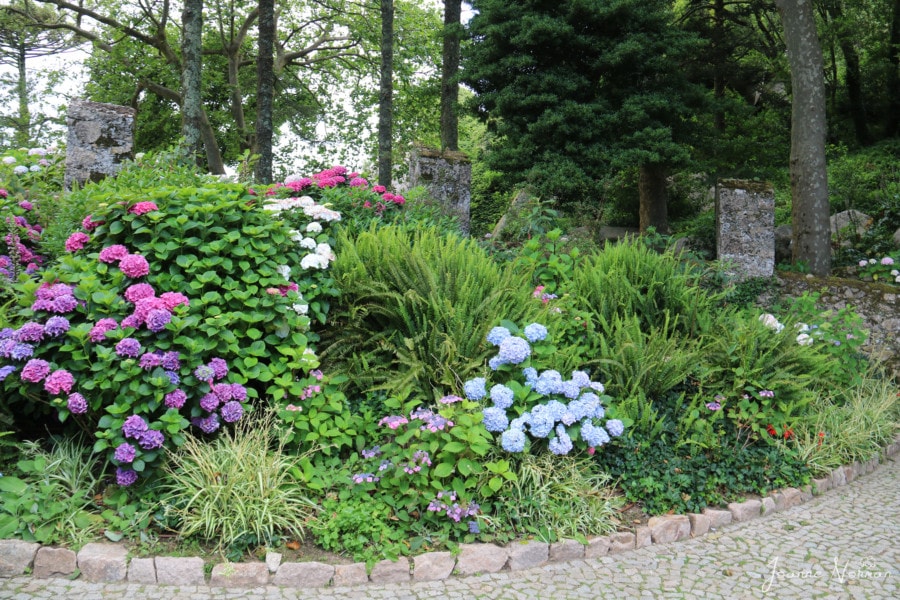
(745,511)
(390,571)
(768,505)
(566,550)
(179,570)
(16,556)
(303,574)
(597,546)
(433,566)
(621,542)
(480,558)
(718,517)
(54,562)
(700,524)
(643,537)
(527,555)
(231,574)
(354,574)
(669,528)
(273,561)
(103,562)
(141,570)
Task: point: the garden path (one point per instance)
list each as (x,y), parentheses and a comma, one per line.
(843,544)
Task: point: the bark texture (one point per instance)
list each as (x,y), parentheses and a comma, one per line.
(191,93)
(386,94)
(265,90)
(450,75)
(653,211)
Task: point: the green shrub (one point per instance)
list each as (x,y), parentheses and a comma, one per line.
(415,308)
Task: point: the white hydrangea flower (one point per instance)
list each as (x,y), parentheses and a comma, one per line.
(314,227)
(9,160)
(804,340)
(35,168)
(20,170)
(314,261)
(301,309)
(284,271)
(771,322)
(308,243)
(802,327)
(296,235)
(325,251)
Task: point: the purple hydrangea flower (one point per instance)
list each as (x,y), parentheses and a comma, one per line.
(219,367)
(174,379)
(126,477)
(158,319)
(238,392)
(223,391)
(134,426)
(77,404)
(151,439)
(149,360)
(21,351)
(209,402)
(98,331)
(232,411)
(129,348)
(175,399)
(171,361)
(207,424)
(30,332)
(125,453)
(35,370)
(56,326)
(6,371)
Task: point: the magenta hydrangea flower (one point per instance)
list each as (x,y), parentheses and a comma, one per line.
(112,254)
(138,291)
(35,370)
(126,477)
(77,404)
(98,331)
(223,392)
(175,399)
(209,402)
(143,308)
(56,326)
(134,426)
(24,204)
(89,224)
(77,241)
(128,348)
(150,360)
(143,208)
(232,411)
(151,439)
(173,299)
(125,453)
(59,381)
(134,266)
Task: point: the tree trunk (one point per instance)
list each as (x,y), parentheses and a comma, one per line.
(192,99)
(386,95)
(450,75)
(265,90)
(853,76)
(893,119)
(22,135)
(652,190)
(809,181)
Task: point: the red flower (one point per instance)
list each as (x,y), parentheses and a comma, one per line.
(788,434)
(771,430)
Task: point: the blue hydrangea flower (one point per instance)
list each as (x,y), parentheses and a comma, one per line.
(569,389)
(494,363)
(56,326)
(474,389)
(520,422)
(497,335)
(568,418)
(535,332)
(581,378)
(615,427)
(531,375)
(548,383)
(593,435)
(513,440)
(556,409)
(541,423)
(495,419)
(514,350)
(6,371)
(22,351)
(502,396)
(597,387)
(562,443)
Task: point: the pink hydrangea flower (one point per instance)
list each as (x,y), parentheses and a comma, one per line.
(112,254)
(77,241)
(134,266)
(138,291)
(142,208)
(59,381)
(887,261)
(35,370)
(173,299)
(89,224)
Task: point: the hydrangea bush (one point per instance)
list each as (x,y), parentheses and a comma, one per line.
(885,269)
(531,408)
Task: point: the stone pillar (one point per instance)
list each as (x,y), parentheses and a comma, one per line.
(448,177)
(745,227)
(101,137)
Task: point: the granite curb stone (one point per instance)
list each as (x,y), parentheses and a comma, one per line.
(16,556)
(54,562)
(527,555)
(184,570)
(103,562)
(142,570)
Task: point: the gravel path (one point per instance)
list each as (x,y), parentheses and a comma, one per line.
(843,544)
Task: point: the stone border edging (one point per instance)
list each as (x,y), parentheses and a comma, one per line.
(104,562)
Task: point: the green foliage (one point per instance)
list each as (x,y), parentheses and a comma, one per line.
(322,416)
(414,310)
(556,497)
(550,266)
(360,527)
(49,496)
(662,478)
(241,490)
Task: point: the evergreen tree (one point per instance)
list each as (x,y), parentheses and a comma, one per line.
(578,88)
